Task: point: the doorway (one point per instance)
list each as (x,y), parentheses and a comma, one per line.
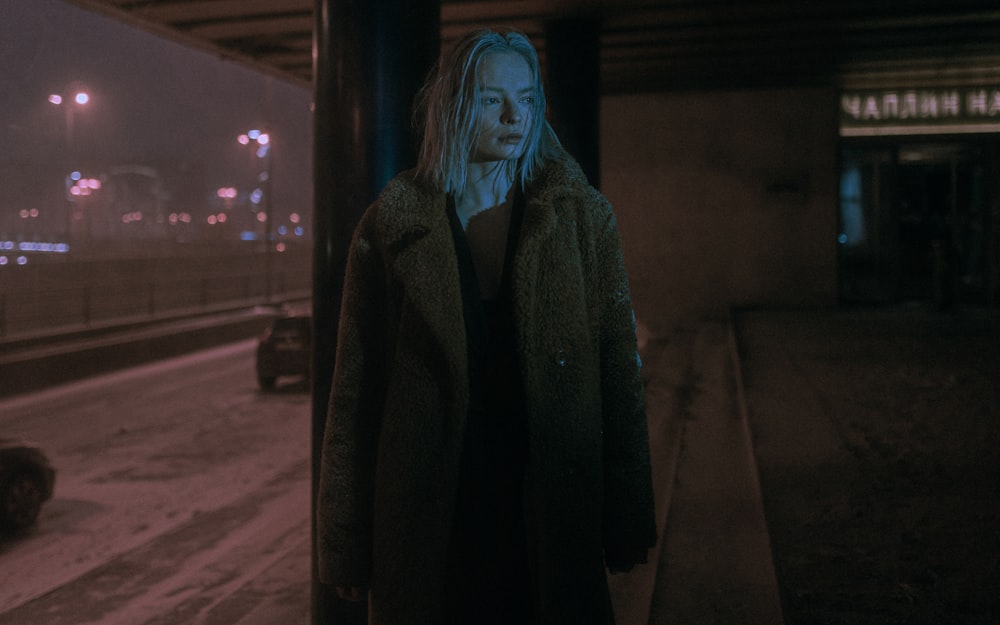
(918,223)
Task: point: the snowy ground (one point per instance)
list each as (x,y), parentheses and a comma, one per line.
(182,495)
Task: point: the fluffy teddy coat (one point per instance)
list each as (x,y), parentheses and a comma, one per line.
(393,439)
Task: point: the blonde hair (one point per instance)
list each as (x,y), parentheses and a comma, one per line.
(449,106)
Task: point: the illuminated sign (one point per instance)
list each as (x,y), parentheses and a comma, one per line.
(920,111)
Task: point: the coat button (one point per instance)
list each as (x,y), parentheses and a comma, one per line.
(561,359)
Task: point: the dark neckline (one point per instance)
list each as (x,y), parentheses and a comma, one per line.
(464,251)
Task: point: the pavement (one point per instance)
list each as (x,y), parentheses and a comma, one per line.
(713,563)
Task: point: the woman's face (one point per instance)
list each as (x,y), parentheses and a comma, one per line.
(508,94)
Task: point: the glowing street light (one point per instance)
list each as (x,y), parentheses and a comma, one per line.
(76,97)
(80,97)
(73,97)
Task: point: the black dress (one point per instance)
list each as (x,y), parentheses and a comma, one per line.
(490,561)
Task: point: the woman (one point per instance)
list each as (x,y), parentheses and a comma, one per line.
(486,451)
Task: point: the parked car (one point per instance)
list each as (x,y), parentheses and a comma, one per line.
(285,349)
(27,480)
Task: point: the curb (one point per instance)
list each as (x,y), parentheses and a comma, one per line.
(61,362)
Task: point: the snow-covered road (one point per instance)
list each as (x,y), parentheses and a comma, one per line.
(182,495)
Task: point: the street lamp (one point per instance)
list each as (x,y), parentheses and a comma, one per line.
(75,97)
(80,97)
(263,146)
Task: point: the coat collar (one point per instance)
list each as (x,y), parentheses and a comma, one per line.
(417,237)
(413,210)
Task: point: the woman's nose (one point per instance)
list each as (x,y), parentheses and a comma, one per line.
(513,114)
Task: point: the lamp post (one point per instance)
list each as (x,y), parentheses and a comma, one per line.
(75,97)
(263,145)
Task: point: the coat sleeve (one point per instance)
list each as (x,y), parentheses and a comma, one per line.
(346,482)
(629,520)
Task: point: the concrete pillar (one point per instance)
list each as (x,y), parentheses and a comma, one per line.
(370,60)
(573,76)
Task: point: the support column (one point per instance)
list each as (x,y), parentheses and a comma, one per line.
(370,60)
(573,76)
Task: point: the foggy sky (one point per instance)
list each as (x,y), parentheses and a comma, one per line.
(153,100)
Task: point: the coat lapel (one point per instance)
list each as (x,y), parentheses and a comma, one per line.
(536,228)
(423,259)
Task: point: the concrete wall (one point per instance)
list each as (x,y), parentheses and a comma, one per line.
(723,199)
(62,293)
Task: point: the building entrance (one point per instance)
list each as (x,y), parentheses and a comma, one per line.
(919,222)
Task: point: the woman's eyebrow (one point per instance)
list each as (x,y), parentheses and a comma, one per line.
(528,89)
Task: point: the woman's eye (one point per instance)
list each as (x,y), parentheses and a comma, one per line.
(491,101)
(528,100)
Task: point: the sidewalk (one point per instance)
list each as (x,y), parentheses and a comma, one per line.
(713,562)
(876,432)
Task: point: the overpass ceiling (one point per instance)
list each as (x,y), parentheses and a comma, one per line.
(646,45)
